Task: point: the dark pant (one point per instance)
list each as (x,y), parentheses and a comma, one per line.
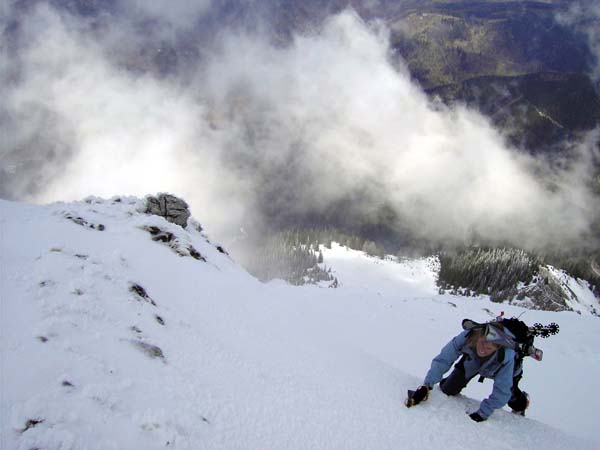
(457,380)
(519,401)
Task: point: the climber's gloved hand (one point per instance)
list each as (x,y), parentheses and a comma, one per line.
(418,396)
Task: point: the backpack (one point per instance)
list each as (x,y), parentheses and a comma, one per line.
(523,335)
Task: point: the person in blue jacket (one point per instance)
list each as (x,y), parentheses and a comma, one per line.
(486,351)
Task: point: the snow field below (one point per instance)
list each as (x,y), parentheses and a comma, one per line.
(223,361)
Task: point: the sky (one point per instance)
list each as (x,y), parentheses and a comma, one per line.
(257,126)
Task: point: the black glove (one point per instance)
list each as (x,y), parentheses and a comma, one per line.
(476,417)
(418,396)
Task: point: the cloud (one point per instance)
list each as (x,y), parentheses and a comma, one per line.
(264,130)
(115,131)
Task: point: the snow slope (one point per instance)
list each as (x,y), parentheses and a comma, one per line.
(579,296)
(209,358)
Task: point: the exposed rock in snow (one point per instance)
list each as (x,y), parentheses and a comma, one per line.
(555,290)
(172,208)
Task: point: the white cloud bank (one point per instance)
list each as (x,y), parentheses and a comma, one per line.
(304,125)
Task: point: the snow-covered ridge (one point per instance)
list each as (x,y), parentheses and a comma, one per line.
(573,294)
(579,296)
(121,337)
(87,288)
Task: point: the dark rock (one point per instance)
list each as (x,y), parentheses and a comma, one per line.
(150,350)
(165,236)
(84,223)
(31,423)
(196,254)
(153,230)
(141,292)
(172,208)
(159,235)
(169,238)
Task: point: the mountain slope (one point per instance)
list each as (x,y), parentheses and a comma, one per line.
(111,340)
(535,111)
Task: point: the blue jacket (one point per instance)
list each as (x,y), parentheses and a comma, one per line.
(500,371)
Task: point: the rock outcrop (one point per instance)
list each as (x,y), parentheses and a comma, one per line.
(172,208)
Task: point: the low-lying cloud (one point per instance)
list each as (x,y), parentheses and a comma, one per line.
(261,128)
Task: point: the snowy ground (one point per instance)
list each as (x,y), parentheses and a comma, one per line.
(213,359)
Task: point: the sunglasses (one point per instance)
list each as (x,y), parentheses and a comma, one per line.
(497,336)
